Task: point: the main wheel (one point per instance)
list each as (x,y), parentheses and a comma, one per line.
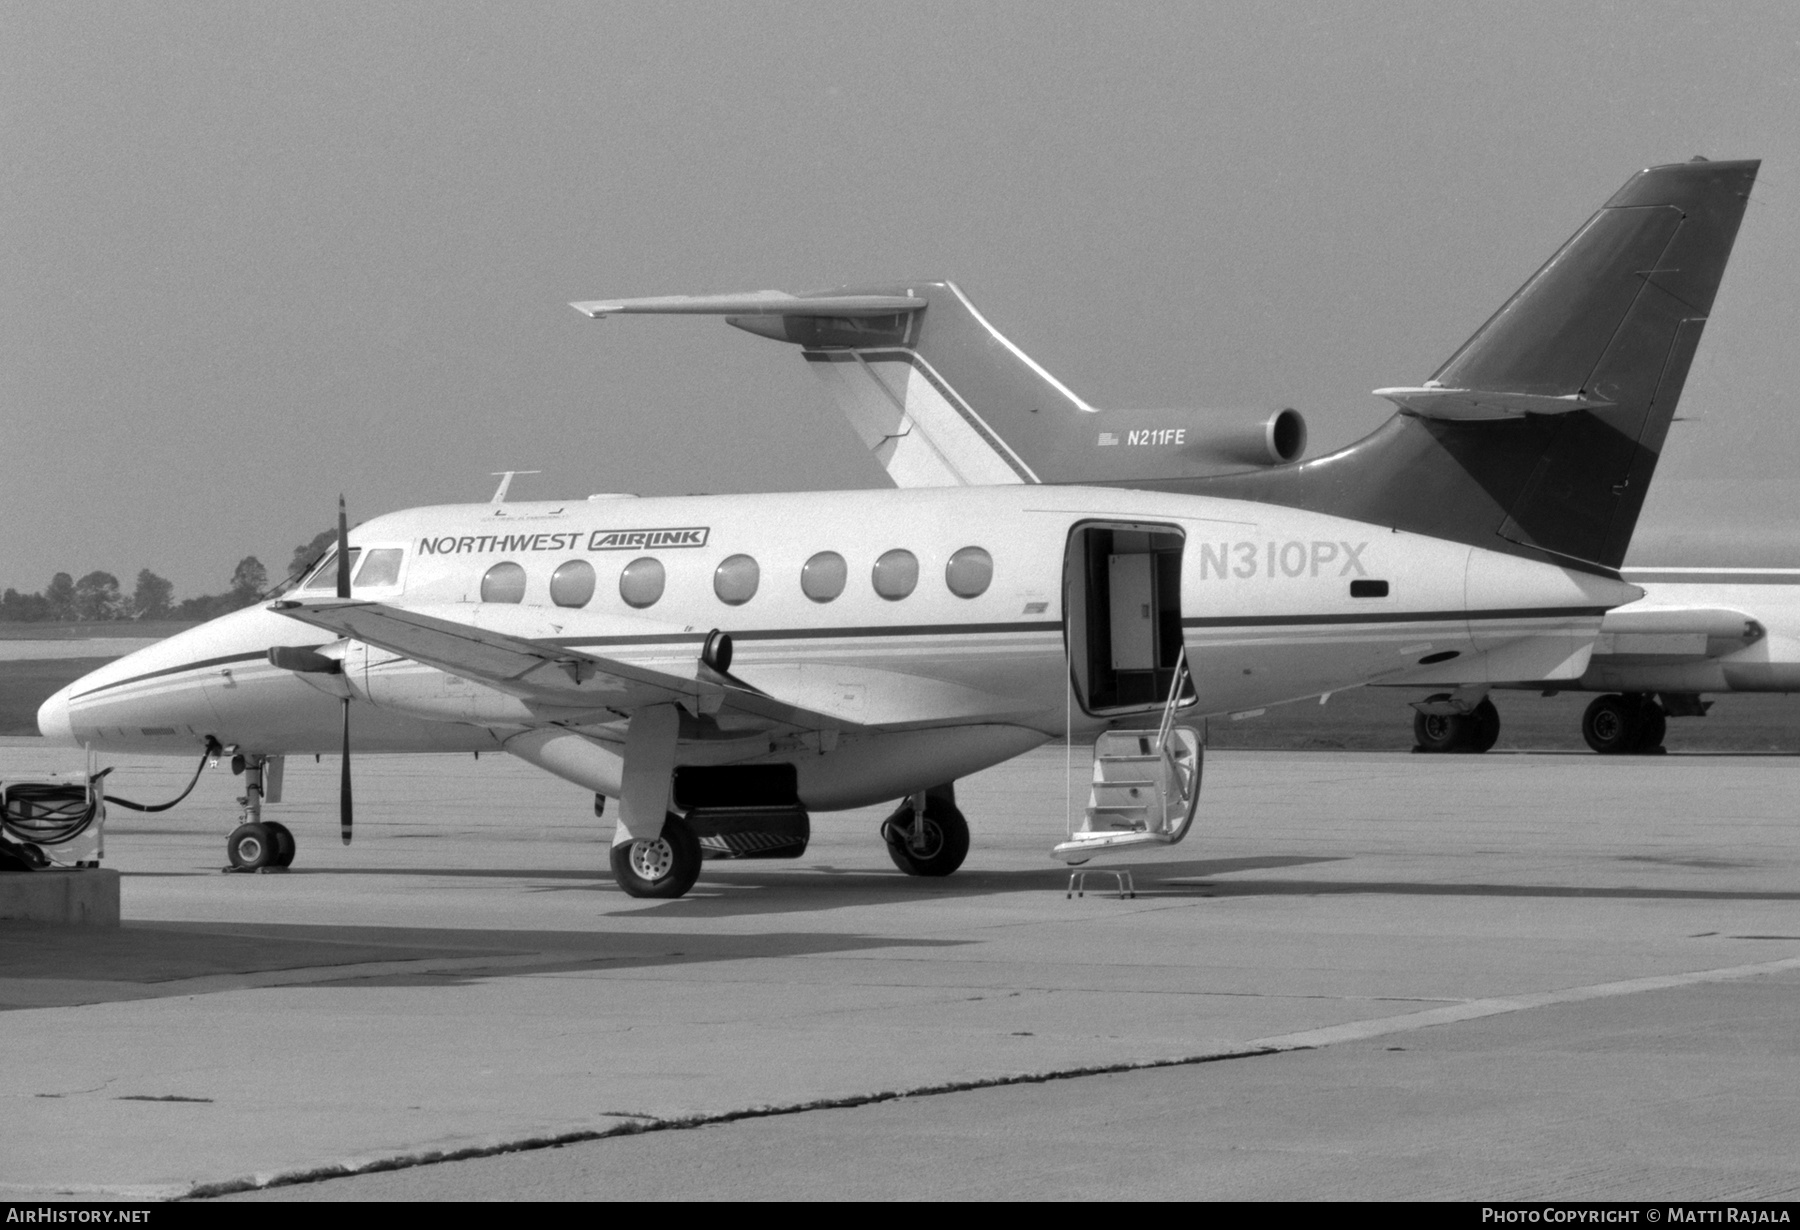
(1653,724)
(1483,730)
(1439,732)
(946,842)
(1610,725)
(251,846)
(665,867)
(284,843)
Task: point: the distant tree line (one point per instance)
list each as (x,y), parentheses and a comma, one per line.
(98,597)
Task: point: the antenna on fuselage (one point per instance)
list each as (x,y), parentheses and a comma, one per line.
(506,477)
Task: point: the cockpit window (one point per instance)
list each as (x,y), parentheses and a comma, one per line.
(381,567)
(325,575)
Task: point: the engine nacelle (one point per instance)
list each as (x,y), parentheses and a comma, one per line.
(1146,444)
(1250,437)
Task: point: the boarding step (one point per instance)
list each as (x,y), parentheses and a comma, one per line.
(1131,808)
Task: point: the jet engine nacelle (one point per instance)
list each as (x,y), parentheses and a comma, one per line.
(1249,437)
(1120,445)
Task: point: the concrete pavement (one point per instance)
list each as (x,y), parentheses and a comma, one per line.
(465,978)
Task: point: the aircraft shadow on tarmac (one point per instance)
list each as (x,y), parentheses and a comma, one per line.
(149,960)
(735,889)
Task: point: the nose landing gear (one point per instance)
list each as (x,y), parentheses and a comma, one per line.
(257,844)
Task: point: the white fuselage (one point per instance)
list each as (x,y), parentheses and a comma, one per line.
(929,685)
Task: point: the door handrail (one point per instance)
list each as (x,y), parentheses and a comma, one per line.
(1174,701)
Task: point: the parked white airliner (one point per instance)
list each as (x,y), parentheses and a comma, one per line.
(723,666)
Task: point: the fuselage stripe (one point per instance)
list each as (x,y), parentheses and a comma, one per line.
(203,664)
(1390,617)
(868,632)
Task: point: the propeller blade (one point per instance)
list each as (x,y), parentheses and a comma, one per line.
(344,779)
(343,578)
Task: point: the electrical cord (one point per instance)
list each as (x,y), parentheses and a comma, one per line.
(154,807)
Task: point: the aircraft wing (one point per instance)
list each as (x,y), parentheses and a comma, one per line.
(547,673)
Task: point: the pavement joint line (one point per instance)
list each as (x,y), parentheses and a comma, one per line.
(1303,1040)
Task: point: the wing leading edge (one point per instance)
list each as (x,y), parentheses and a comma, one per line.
(547,673)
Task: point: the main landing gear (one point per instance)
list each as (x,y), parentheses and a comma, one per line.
(927,835)
(1632,723)
(1474,731)
(666,866)
(256,844)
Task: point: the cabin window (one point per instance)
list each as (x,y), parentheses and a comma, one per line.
(572,584)
(325,575)
(896,574)
(380,567)
(736,579)
(503,583)
(641,584)
(822,577)
(969,572)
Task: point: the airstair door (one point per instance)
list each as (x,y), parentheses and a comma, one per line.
(1122,596)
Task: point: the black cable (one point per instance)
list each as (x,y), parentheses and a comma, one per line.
(47,812)
(149,807)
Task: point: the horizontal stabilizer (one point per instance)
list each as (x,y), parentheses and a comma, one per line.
(1465,404)
(753,303)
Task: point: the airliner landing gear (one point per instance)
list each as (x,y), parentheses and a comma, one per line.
(1620,725)
(1474,731)
(256,844)
(665,867)
(927,835)
(253,847)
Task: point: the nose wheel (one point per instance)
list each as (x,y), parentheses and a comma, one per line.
(260,846)
(256,844)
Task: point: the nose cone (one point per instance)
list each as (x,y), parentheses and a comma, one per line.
(53,719)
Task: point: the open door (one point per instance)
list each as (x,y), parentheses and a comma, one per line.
(1122,596)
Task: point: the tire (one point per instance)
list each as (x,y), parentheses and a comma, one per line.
(284,843)
(666,867)
(251,846)
(1653,724)
(1483,730)
(1434,732)
(1611,725)
(946,839)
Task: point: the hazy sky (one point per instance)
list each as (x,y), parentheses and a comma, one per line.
(258,254)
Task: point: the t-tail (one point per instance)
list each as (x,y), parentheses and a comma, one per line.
(1539,436)
(944,399)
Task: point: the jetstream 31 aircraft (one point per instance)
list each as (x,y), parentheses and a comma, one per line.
(725,665)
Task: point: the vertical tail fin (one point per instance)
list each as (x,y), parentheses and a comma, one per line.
(1541,433)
